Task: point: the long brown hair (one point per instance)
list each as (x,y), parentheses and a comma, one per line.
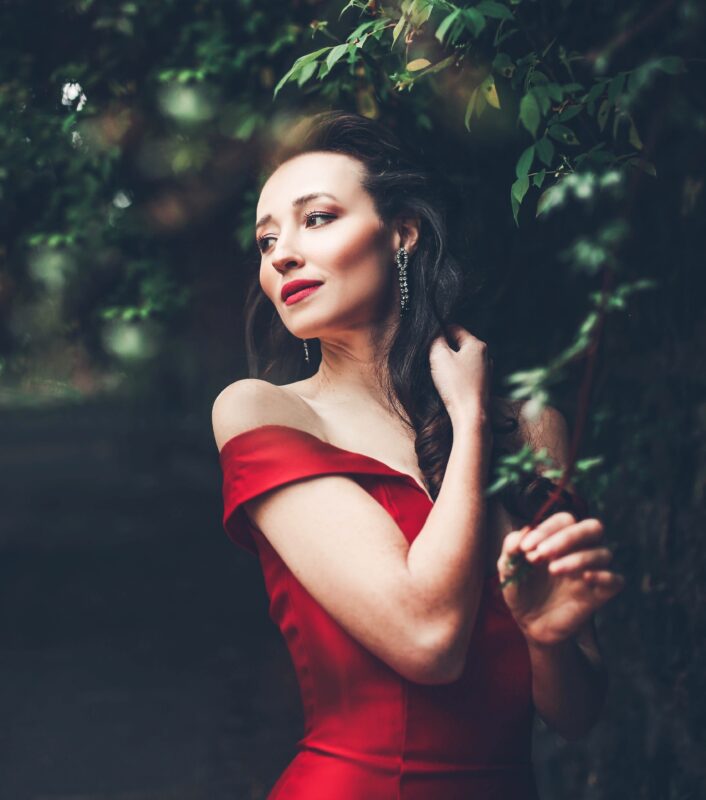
(396,181)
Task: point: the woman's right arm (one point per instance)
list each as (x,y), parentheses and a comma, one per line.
(412,606)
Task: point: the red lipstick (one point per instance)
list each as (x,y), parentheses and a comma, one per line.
(296,290)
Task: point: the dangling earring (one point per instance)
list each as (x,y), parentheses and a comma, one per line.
(402,259)
(306,351)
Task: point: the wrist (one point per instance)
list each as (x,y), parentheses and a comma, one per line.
(548,647)
(471,418)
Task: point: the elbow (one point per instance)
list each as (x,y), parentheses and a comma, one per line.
(437,660)
(435,670)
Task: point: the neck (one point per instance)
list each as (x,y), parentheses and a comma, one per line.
(353,369)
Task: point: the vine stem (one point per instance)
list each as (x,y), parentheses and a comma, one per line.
(585,389)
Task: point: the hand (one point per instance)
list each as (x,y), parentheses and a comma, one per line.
(567,581)
(462,377)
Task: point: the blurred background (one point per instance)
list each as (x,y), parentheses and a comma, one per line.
(137,658)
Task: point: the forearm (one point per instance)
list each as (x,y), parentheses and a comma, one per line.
(568,687)
(446,561)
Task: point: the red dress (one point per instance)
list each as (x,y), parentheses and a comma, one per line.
(369,733)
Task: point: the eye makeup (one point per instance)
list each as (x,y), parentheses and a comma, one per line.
(261,240)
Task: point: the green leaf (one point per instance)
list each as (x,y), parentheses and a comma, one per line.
(672,65)
(490,93)
(603,114)
(546,200)
(298,65)
(555,92)
(420,11)
(538,179)
(350,4)
(306,72)
(517,192)
(616,87)
(545,151)
(503,64)
(569,113)
(475,21)
(481,102)
(529,113)
(495,10)
(360,30)
(545,104)
(524,162)
(307,57)
(563,134)
(469,109)
(595,92)
(634,136)
(399,28)
(497,486)
(336,53)
(446,24)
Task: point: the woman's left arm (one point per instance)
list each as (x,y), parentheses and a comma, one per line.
(569,684)
(555,603)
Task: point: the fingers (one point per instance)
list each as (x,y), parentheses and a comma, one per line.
(603,583)
(462,337)
(511,548)
(548,526)
(556,543)
(584,560)
(512,542)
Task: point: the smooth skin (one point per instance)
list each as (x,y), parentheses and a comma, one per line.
(414,606)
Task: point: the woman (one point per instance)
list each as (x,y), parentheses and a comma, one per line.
(360,487)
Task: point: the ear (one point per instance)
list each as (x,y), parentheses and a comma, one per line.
(407,232)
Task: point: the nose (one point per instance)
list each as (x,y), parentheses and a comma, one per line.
(284,256)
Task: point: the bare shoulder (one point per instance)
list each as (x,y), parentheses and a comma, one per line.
(550,430)
(251,402)
(547,429)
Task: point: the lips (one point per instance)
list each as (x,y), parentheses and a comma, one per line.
(295,297)
(296,286)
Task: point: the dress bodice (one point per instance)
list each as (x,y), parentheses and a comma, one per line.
(369,733)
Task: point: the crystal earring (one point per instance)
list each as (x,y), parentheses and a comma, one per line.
(306,351)
(402,259)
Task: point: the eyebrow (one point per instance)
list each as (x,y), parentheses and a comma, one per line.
(299,201)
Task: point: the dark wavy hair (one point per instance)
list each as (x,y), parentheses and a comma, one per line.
(398,183)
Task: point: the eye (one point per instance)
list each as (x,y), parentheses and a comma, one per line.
(318,214)
(261,243)
(262,240)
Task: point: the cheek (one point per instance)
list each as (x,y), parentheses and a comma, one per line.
(354,252)
(267,281)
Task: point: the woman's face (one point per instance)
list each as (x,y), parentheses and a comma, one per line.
(315,221)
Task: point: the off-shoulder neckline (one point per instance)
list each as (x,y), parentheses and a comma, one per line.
(377,461)
(492,576)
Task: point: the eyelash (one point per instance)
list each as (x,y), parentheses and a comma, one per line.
(308,216)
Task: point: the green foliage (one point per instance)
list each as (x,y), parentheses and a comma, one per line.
(553,95)
(576,139)
(132,136)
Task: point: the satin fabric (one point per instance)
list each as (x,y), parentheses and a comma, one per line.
(369,733)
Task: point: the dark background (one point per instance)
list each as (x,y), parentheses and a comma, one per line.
(137,659)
